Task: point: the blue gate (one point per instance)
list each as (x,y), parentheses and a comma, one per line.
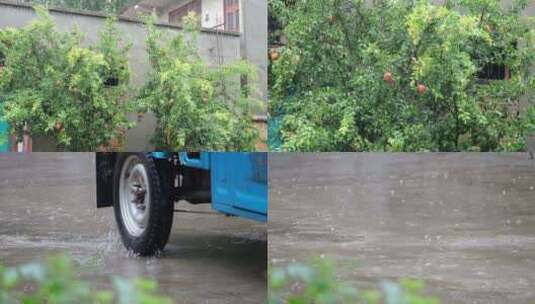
(4,129)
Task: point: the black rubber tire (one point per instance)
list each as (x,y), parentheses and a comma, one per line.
(160,221)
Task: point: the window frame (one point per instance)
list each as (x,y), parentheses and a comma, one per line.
(175,16)
(231,9)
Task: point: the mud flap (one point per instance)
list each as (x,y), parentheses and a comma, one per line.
(105,163)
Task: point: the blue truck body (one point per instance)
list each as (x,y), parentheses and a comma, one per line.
(136,184)
(238,180)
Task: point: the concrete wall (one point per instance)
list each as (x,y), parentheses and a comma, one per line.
(253,14)
(230,48)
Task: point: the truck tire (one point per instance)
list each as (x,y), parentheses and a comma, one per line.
(143,210)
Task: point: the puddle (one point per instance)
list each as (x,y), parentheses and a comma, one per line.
(47,206)
(465,223)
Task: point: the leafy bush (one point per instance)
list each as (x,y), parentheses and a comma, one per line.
(303,284)
(403,75)
(52,86)
(197,107)
(55,282)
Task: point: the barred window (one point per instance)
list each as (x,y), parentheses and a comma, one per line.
(232,15)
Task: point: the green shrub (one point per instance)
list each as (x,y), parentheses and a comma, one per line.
(403,75)
(316,283)
(197,107)
(55,282)
(52,86)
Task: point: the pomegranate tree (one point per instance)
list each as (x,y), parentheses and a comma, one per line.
(402,76)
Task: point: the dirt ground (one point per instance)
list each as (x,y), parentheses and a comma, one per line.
(465,223)
(47,206)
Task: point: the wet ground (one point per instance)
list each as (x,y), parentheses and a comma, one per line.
(465,223)
(47,206)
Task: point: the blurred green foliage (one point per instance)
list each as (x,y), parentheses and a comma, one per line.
(402,75)
(55,281)
(317,284)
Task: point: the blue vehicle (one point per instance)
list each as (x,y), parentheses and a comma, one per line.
(144,187)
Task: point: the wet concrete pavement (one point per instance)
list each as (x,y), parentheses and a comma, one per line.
(465,223)
(47,206)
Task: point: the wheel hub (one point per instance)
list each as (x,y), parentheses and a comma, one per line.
(138,196)
(134,196)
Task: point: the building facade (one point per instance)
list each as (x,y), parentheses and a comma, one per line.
(214,14)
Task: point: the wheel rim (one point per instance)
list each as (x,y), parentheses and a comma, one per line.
(134,196)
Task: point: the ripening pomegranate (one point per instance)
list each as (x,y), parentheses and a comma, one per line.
(274,55)
(421,89)
(332,19)
(58,126)
(388,78)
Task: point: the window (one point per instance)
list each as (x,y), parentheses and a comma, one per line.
(232,15)
(176,16)
(492,66)
(2,59)
(111,81)
(493,71)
